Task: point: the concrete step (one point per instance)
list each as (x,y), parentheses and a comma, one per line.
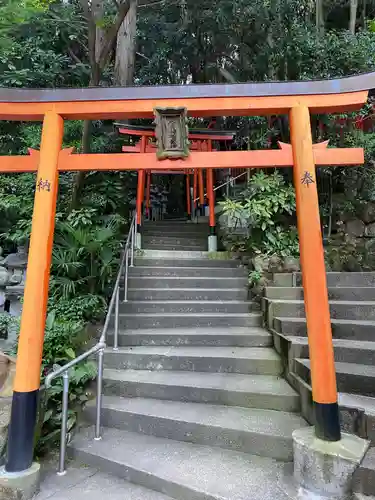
(163,227)
(187,282)
(265,433)
(166,239)
(185,255)
(178,234)
(165,246)
(231,389)
(187,262)
(346,351)
(178,320)
(352,293)
(195,294)
(364,476)
(345,279)
(190,272)
(362,410)
(351,377)
(184,471)
(187,307)
(82,482)
(225,336)
(341,328)
(249,360)
(338,309)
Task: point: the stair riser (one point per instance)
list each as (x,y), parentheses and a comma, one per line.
(333,279)
(176,294)
(181,308)
(189,273)
(187,321)
(350,332)
(192,262)
(193,340)
(187,283)
(353,421)
(349,294)
(160,229)
(264,445)
(175,228)
(142,478)
(342,354)
(202,395)
(190,247)
(174,240)
(364,477)
(346,382)
(338,311)
(121,361)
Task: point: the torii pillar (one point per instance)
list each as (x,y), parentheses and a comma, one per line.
(323,374)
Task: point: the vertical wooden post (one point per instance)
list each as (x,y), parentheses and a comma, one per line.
(139,210)
(140,196)
(212,238)
(30,347)
(211,200)
(201,191)
(323,375)
(148,190)
(188,195)
(195,192)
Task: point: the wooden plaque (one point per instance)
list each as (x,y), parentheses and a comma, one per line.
(171,133)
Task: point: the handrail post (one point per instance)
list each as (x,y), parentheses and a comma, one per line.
(64,423)
(126,276)
(99,395)
(117,304)
(133,236)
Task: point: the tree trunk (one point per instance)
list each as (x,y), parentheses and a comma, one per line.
(100,47)
(319,17)
(98,36)
(353,16)
(364,14)
(125,49)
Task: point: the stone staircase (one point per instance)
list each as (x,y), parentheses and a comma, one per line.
(352,306)
(175,235)
(195,405)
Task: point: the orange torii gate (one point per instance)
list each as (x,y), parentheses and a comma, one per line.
(297,99)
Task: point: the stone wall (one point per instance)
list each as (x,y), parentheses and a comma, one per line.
(352,247)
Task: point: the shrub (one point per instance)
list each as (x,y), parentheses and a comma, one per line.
(267,207)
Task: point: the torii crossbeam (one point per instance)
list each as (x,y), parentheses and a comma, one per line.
(297,99)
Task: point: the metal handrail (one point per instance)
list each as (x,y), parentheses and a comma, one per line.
(224,184)
(63,371)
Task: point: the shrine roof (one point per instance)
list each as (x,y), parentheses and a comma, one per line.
(354,83)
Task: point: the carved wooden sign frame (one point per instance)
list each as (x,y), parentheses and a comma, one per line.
(171,133)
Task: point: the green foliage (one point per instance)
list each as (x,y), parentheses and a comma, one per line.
(254,277)
(65,338)
(266,207)
(6,321)
(63,341)
(84,259)
(81,308)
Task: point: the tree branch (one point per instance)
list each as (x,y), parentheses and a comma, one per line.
(153,3)
(91,31)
